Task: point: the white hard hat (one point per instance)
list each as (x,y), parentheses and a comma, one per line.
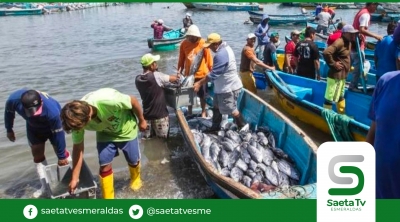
(194,31)
(188,14)
(250,36)
(160,21)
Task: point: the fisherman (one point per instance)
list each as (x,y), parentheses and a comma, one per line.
(289,64)
(336,34)
(307,53)
(262,32)
(227,84)
(269,54)
(323,19)
(361,23)
(318,9)
(187,21)
(329,10)
(192,50)
(246,68)
(383,134)
(150,85)
(159,28)
(337,57)
(385,55)
(42,115)
(113,116)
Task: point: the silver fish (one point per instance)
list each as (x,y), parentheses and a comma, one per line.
(261,167)
(214,138)
(221,134)
(263,141)
(224,124)
(255,154)
(253,143)
(258,178)
(272,176)
(233,127)
(274,166)
(233,136)
(254,136)
(206,140)
(267,156)
(228,146)
(214,151)
(236,174)
(250,173)
(227,126)
(214,164)
(233,157)
(225,172)
(188,82)
(241,165)
(271,140)
(223,158)
(246,136)
(288,169)
(244,154)
(247,181)
(279,153)
(283,180)
(205,122)
(260,135)
(253,165)
(245,128)
(205,147)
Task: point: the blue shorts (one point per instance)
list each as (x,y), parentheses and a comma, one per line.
(39,136)
(108,150)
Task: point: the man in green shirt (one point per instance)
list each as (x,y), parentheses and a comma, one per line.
(112,115)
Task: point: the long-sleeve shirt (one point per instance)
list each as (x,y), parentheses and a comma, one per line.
(339,51)
(224,72)
(159,30)
(47,122)
(187,54)
(262,40)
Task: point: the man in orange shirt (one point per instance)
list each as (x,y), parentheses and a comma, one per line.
(191,50)
(246,68)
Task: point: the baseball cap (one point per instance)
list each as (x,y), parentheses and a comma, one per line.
(212,38)
(32,103)
(160,21)
(250,36)
(274,34)
(194,31)
(188,14)
(148,59)
(349,29)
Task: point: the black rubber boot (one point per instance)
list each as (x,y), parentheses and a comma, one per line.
(216,121)
(240,122)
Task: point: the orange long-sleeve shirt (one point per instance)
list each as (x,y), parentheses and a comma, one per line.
(187,53)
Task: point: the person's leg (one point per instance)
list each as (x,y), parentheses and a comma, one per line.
(201,94)
(330,93)
(131,152)
(106,151)
(161,127)
(325,30)
(228,105)
(217,116)
(356,72)
(36,142)
(341,104)
(248,81)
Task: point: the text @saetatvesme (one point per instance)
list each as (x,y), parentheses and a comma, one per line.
(177,211)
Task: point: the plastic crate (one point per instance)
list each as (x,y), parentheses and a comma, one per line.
(178,97)
(58,178)
(261,81)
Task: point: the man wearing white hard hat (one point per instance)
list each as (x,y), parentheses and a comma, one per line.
(187,21)
(246,67)
(159,28)
(195,60)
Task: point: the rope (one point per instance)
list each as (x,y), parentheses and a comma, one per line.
(291,192)
(338,125)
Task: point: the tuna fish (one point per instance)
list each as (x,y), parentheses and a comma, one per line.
(255,154)
(253,165)
(271,140)
(236,174)
(223,158)
(245,156)
(247,181)
(272,176)
(267,156)
(233,157)
(214,151)
(241,165)
(233,136)
(225,172)
(288,169)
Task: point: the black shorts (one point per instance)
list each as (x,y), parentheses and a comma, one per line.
(202,91)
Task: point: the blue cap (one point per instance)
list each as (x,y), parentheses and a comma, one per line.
(265,16)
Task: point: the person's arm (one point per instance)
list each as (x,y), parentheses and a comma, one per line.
(164,79)
(257,32)
(363,27)
(328,56)
(371,134)
(77,158)
(315,55)
(220,64)
(208,58)
(9,116)
(181,59)
(58,135)
(166,28)
(296,54)
(274,58)
(261,64)
(153,24)
(137,110)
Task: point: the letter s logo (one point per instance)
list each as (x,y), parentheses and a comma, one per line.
(346,180)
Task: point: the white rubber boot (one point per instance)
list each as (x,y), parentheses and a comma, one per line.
(40,169)
(69,158)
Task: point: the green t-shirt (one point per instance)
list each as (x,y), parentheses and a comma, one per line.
(115,121)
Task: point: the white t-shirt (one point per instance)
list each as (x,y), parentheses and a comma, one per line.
(364,19)
(323,19)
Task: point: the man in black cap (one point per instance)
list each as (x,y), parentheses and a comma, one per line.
(42,115)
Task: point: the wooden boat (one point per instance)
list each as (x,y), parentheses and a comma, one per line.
(170,41)
(304,98)
(333,5)
(19,11)
(226,6)
(290,138)
(256,18)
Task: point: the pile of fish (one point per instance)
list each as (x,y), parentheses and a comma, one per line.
(250,158)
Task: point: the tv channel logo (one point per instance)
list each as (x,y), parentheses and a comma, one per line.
(346,182)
